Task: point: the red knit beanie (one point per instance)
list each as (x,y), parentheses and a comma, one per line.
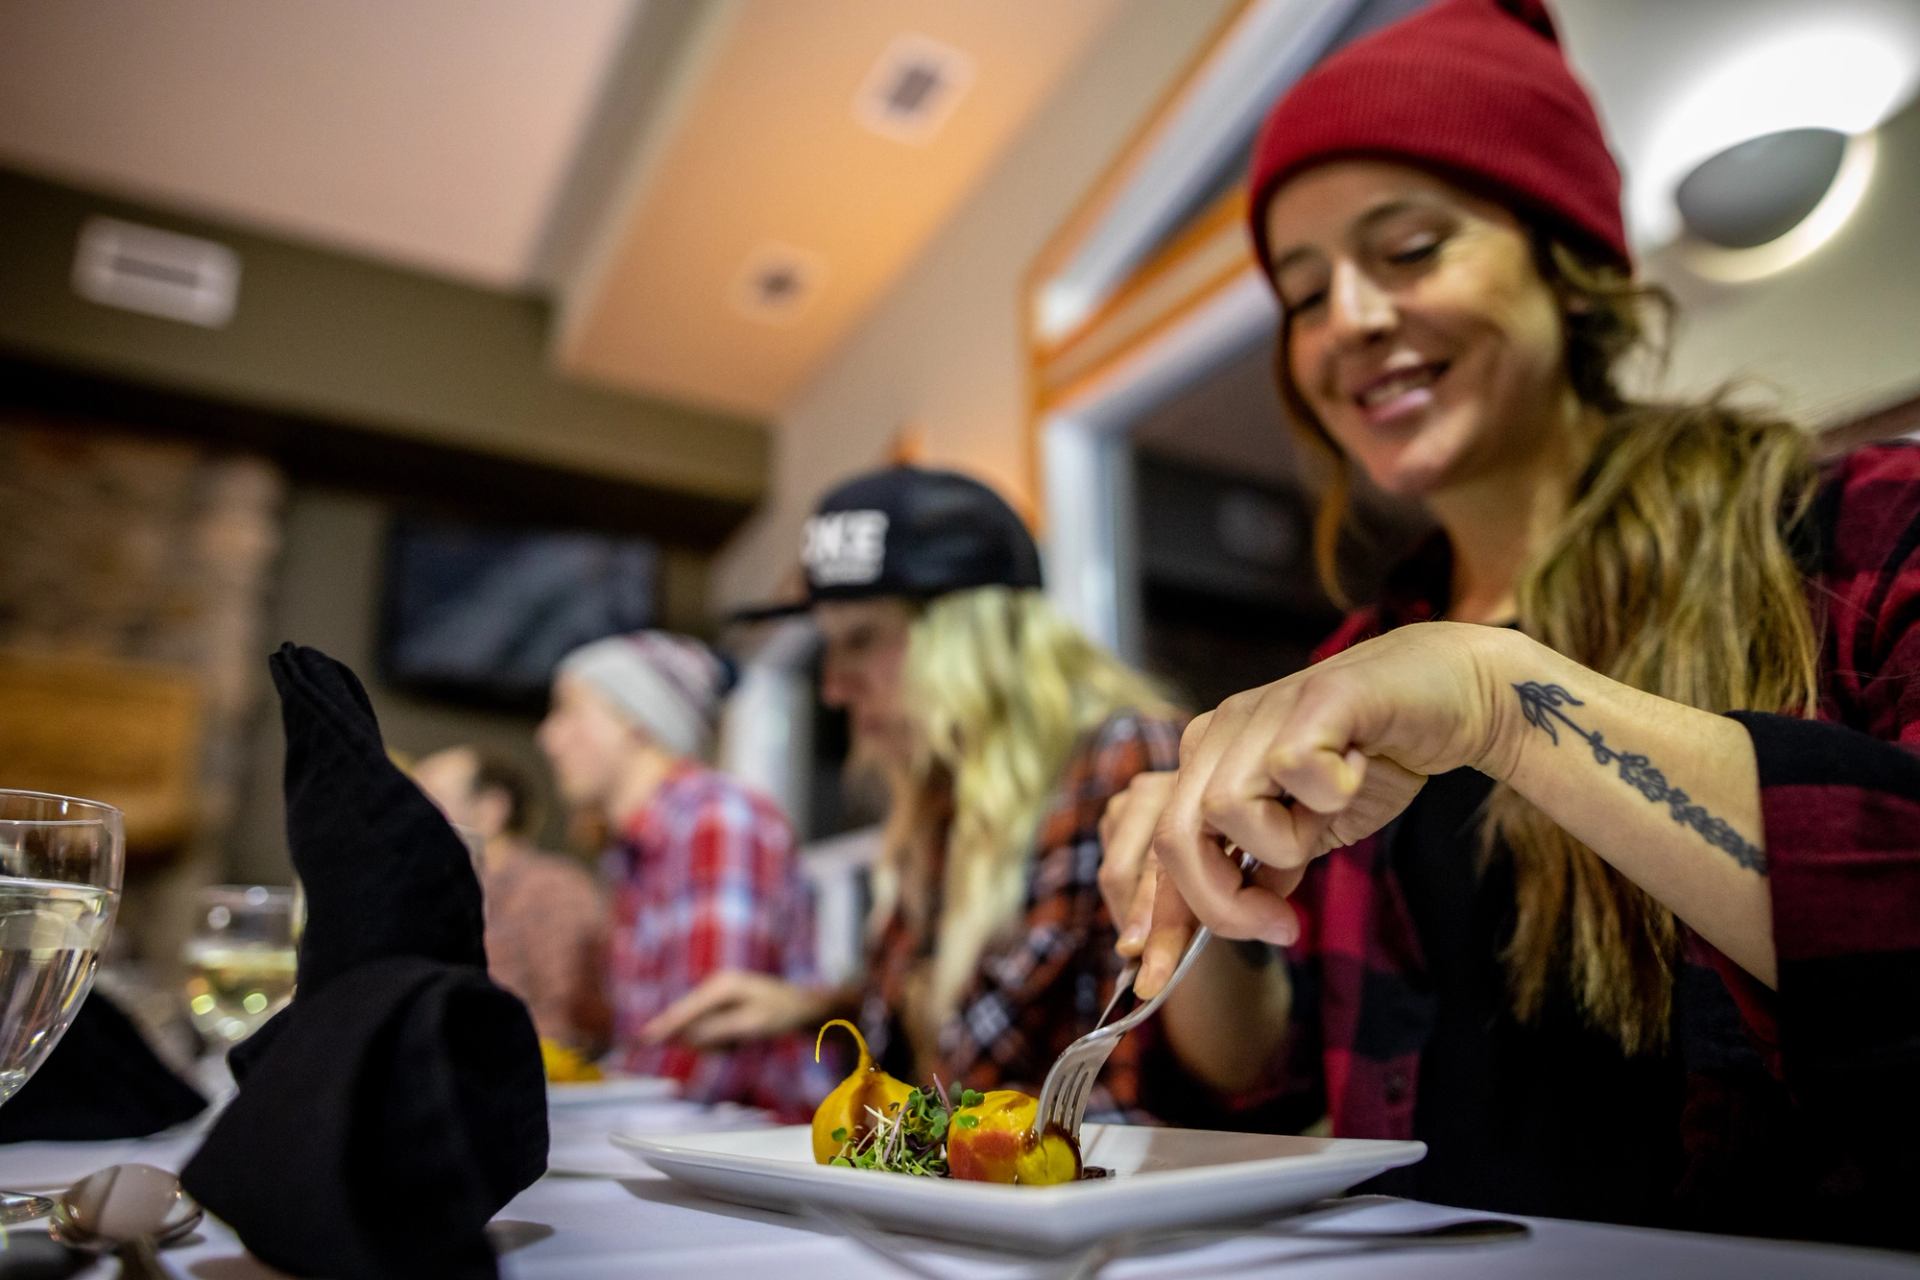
(1476,89)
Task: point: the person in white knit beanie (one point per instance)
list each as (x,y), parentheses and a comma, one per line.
(668,685)
(702,869)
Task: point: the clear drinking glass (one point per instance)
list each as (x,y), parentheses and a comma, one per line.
(60,866)
(240,959)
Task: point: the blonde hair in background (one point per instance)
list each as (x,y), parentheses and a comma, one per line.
(1000,687)
(1670,572)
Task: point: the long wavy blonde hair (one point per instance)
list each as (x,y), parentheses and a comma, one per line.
(1671,572)
(1000,687)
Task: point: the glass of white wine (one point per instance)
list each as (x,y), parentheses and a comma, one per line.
(240,959)
(60,866)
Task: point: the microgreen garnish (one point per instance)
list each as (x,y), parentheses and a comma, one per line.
(913,1137)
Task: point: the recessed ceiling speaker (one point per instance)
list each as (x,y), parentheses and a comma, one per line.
(777,282)
(913,89)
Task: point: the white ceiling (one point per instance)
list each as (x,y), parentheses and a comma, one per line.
(432,133)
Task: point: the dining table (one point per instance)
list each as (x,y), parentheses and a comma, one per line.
(601,1213)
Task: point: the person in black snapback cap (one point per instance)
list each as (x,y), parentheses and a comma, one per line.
(1002,731)
(913,534)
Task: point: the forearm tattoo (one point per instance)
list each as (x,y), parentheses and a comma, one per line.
(1542,703)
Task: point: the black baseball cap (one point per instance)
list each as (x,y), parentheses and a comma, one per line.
(912,532)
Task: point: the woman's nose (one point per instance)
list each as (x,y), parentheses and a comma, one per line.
(1359,307)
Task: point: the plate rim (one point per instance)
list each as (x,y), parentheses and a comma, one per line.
(1365,1152)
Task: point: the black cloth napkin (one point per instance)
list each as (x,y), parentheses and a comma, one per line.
(101,1081)
(399,1101)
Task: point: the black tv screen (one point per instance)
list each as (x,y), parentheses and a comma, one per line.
(484,613)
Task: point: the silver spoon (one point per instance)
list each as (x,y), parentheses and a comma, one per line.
(128,1209)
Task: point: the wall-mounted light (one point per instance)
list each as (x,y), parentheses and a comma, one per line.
(1767,203)
(1824,74)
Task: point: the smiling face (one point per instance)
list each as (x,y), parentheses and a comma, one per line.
(1417,328)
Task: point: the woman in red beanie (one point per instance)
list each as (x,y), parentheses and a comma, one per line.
(1594,846)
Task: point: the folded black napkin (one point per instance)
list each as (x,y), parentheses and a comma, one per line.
(101,1081)
(398,1102)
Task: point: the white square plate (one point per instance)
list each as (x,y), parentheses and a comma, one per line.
(1160,1178)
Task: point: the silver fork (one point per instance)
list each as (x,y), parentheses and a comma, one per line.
(1063,1096)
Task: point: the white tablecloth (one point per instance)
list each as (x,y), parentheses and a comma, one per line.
(616,1219)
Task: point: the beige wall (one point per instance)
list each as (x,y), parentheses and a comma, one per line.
(942,352)
(124,549)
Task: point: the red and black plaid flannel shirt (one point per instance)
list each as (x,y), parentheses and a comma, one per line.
(1043,982)
(1802,1106)
(705,880)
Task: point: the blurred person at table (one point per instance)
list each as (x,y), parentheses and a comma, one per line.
(1001,732)
(702,868)
(546,931)
(1591,845)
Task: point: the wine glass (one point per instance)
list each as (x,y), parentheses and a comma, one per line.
(60,866)
(240,959)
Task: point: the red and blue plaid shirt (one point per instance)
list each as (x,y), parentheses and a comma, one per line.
(705,880)
(1801,1113)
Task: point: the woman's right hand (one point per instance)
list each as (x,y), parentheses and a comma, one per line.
(1128,869)
(1227,1019)
(1131,880)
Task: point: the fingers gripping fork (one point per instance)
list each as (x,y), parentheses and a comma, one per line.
(1063,1096)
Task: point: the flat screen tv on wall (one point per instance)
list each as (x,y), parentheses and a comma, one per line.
(482,613)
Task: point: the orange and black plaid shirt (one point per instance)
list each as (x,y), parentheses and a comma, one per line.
(1043,981)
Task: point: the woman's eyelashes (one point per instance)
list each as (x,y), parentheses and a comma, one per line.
(1304,300)
(1305,291)
(1414,252)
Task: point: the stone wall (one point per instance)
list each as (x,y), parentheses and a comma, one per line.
(118,546)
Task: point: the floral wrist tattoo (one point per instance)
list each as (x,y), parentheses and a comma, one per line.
(1542,705)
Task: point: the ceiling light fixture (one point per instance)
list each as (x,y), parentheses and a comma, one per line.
(1846,78)
(1844,189)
